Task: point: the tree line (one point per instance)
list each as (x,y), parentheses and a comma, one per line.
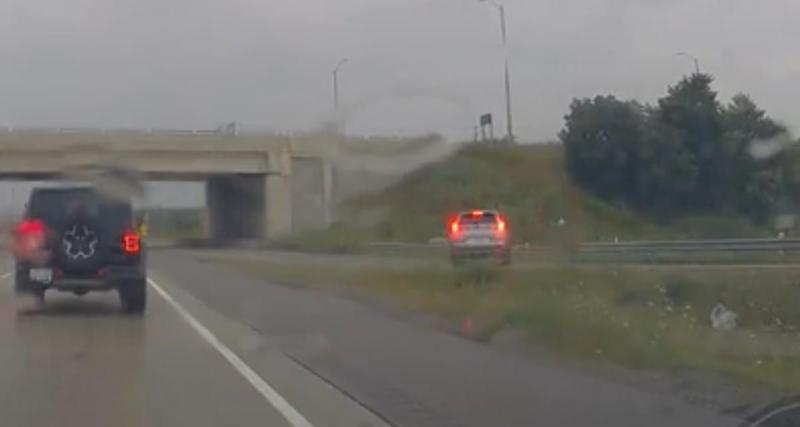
(689,154)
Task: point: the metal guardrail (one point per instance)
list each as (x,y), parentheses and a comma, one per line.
(634,247)
(723,245)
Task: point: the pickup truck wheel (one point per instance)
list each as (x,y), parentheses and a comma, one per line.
(133,297)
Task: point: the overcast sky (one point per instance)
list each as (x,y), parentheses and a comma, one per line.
(415,65)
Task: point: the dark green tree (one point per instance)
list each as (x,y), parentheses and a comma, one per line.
(667,173)
(687,155)
(754,159)
(790,177)
(601,139)
(691,108)
(761,195)
(744,120)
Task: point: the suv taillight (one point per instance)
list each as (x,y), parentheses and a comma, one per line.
(501,227)
(131,243)
(454,230)
(29,237)
(31,227)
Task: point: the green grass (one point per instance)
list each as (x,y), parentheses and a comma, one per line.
(640,318)
(336,239)
(528,184)
(176,223)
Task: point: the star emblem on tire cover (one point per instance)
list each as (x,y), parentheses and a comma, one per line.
(80,242)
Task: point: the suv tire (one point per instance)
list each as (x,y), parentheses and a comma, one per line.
(133,296)
(22,285)
(505,259)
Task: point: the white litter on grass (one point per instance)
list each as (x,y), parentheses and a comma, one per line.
(723,319)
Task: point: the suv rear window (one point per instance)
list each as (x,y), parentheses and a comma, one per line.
(53,205)
(480,219)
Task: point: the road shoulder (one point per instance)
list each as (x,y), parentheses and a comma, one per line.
(319,402)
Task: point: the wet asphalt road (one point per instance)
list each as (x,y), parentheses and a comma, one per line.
(78,362)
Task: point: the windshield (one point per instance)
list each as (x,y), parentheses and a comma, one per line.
(406,213)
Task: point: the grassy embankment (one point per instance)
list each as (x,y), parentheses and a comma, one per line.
(634,316)
(638,317)
(175,224)
(528,183)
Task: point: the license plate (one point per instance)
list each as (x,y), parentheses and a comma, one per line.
(479,241)
(41,275)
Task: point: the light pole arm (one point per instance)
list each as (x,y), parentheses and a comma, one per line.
(339,65)
(503,27)
(336,82)
(502,10)
(692,58)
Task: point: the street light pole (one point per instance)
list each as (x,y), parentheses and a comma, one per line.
(504,32)
(692,58)
(336,82)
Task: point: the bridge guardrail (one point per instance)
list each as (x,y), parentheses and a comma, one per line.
(88,130)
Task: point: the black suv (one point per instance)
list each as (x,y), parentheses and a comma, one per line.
(74,239)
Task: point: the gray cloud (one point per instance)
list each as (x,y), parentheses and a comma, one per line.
(267,64)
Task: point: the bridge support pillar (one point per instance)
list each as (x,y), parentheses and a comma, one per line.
(312,193)
(277,217)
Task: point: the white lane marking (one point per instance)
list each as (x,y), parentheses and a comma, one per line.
(295,418)
(5,275)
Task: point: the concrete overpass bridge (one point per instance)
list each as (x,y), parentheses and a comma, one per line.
(257,187)
(248,178)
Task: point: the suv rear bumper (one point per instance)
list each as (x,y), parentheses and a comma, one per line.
(468,251)
(106,279)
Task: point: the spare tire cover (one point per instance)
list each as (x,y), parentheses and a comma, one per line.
(82,246)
